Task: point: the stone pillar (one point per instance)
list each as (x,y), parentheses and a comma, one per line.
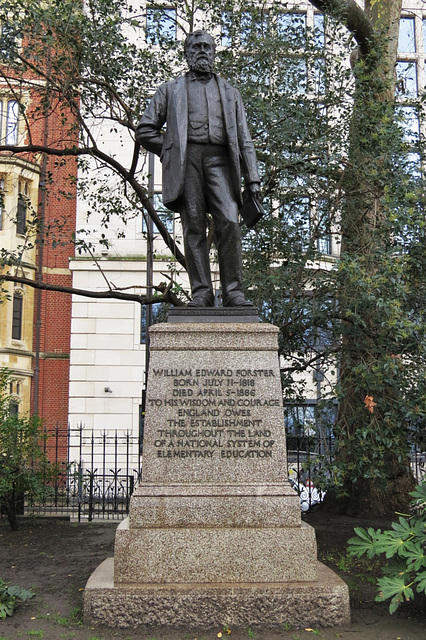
(214,534)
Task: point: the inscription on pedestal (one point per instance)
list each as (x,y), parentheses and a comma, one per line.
(214,413)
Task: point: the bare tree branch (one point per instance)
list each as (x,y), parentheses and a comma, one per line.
(119,169)
(117,294)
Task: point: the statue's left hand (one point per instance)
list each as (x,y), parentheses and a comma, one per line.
(254,188)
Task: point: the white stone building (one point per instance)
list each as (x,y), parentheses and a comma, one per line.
(108,344)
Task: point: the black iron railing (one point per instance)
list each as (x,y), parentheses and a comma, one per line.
(98,472)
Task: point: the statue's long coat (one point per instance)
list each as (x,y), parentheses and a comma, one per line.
(170,105)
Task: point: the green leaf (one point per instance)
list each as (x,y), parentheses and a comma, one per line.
(395,540)
(390,545)
(396,567)
(419,492)
(396,589)
(421,581)
(365,542)
(415,556)
(21,593)
(7,605)
(404,528)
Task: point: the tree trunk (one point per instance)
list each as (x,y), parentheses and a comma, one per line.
(11,508)
(373,477)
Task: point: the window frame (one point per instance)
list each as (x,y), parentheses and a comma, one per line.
(11,133)
(2,197)
(21,213)
(17,315)
(403,20)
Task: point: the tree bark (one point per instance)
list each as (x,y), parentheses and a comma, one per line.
(352,16)
(114,294)
(372,480)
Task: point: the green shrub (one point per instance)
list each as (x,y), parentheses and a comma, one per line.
(10,597)
(404,545)
(24,467)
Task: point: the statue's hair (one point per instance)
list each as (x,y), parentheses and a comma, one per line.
(196,34)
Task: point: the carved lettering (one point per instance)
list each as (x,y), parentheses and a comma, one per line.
(214,413)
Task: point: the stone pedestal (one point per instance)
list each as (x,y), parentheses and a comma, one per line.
(214,534)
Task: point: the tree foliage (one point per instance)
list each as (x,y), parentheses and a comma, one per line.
(335,164)
(25,471)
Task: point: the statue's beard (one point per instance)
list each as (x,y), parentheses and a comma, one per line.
(202,65)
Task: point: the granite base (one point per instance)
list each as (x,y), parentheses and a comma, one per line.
(323,602)
(214,534)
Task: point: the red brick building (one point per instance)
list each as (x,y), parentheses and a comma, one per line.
(37,223)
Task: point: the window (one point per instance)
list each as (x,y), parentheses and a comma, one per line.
(159,312)
(12,117)
(247,24)
(292,75)
(324,244)
(310,426)
(407,41)
(160,25)
(319,70)
(164,214)
(243,26)
(21,213)
(296,215)
(143,325)
(291,28)
(406,73)
(226,31)
(320,77)
(319,333)
(323,228)
(13,408)
(17,316)
(254,74)
(408,118)
(300,420)
(9,39)
(251,23)
(319,32)
(1,202)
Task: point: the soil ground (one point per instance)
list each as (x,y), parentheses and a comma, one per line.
(55,558)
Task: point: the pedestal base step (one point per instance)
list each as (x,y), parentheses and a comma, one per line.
(324,602)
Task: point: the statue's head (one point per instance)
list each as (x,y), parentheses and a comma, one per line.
(200,51)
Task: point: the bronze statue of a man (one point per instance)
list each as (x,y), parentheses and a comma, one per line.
(204,149)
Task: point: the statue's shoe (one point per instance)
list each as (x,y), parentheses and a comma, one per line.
(237,301)
(201,301)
